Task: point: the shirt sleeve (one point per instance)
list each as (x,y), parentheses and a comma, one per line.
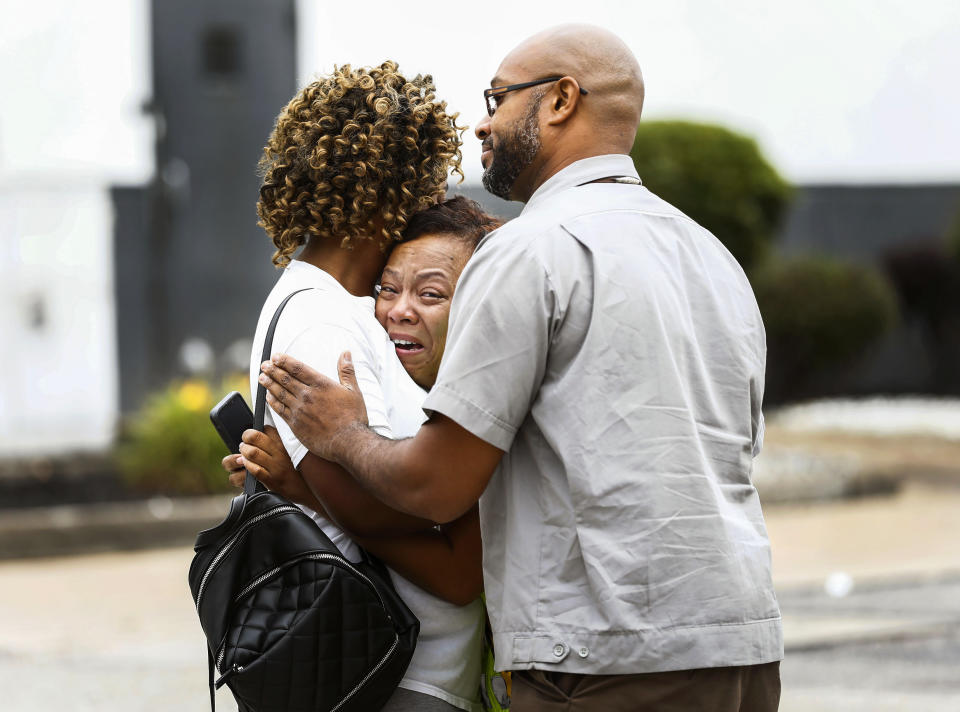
(497,344)
(758,430)
(320,347)
(757,383)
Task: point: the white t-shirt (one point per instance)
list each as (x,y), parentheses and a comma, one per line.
(315,327)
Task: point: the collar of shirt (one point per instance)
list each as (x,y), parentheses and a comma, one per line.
(583,171)
(318,275)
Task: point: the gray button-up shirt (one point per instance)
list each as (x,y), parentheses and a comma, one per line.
(613,348)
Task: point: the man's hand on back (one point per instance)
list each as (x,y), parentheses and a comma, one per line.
(411,475)
(315,407)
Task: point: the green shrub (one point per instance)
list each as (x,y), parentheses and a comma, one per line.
(717,177)
(927,280)
(819,313)
(170,445)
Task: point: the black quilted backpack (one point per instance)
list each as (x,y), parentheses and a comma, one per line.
(291,624)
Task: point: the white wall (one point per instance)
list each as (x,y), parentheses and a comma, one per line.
(56,312)
(74,77)
(852,91)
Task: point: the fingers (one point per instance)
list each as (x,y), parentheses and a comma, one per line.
(279,408)
(263,441)
(276,380)
(257,462)
(298,370)
(257,471)
(347,373)
(253,455)
(290,375)
(276,441)
(277,395)
(232,463)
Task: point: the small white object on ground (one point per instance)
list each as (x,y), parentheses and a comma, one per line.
(838,584)
(160,507)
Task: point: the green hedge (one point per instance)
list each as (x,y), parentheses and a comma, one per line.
(717,177)
(819,313)
(170,445)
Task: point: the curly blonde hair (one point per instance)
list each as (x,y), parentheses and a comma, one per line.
(354,153)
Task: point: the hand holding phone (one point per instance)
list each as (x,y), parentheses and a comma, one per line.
(231,416)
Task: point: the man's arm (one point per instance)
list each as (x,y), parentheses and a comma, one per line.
(446,561)
(353,508)
(412,475)
(322,485)
(502,321)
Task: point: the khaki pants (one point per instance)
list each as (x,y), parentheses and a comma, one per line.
(753,688)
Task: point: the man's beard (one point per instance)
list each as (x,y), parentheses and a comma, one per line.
(514,153)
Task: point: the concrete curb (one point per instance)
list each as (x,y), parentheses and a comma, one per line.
(812,635)
(91,528)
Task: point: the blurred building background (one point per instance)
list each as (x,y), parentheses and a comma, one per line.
(189,258)
(71,128)
(130,251)
(132,272)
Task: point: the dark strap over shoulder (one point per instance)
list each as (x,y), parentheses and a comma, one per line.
(251,485)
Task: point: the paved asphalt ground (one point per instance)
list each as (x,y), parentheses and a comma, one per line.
(117,631)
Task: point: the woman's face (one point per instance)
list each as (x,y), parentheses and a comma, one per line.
(414,302)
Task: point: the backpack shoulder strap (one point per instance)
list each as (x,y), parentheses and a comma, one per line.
(251,484)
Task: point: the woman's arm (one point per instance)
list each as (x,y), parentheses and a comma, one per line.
(341,498)
(446,561)
(353,508)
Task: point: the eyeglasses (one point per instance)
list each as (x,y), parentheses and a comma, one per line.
(491,94)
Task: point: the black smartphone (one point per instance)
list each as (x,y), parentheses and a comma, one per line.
(231,417)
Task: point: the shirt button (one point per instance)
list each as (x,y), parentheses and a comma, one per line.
(583,652)
(559,650)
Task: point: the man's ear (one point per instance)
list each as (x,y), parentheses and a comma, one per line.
(564,100)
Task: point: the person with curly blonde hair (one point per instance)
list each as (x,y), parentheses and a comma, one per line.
(351,159)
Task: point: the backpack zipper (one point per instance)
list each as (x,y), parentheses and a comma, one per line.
(283,508)
(373,671)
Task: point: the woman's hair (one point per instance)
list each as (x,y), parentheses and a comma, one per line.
(355,155)
(458,217)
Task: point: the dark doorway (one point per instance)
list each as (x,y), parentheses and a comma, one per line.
(191,261)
